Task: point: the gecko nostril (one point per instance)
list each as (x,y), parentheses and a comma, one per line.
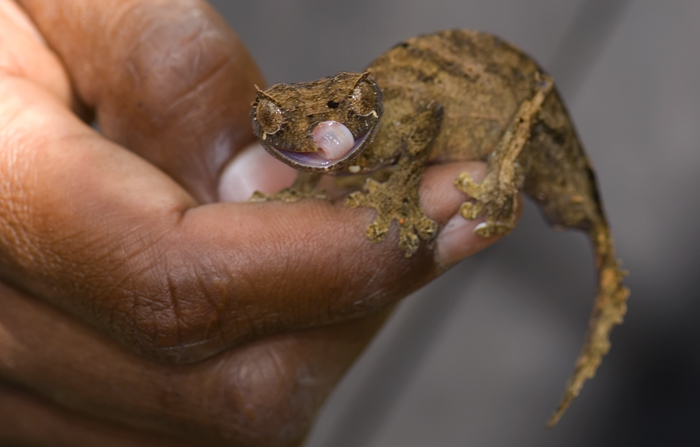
(332,104)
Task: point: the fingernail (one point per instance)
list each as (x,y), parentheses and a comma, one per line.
(457,240)
(253,170)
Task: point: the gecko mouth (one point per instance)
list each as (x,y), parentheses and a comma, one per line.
(318,161)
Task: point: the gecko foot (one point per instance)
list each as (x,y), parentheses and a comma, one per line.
(497,206)
(396,199)
(288,195)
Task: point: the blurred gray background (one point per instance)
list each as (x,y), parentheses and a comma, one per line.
(481,356)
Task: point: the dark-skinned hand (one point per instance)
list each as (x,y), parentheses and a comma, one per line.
(136,309)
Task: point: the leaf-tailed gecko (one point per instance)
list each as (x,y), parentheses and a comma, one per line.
(455,95)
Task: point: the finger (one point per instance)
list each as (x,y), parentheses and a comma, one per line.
(258,395)
(439,197)
(23,53)
(30,420)
(168,79)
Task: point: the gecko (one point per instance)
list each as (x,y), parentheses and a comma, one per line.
(454,95)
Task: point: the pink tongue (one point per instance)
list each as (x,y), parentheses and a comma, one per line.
(334,140)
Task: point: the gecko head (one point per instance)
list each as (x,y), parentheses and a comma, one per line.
(319,126)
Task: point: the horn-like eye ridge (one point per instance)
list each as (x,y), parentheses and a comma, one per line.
(269,116)
(363,98)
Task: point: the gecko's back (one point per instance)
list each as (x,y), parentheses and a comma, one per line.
(479,80)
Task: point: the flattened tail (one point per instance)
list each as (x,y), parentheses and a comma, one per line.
(609,308)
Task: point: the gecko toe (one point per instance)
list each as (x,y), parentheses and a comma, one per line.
(377,231)
(409,241)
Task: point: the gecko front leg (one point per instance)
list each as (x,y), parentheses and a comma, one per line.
(496,197)
(304,187)
(397,198)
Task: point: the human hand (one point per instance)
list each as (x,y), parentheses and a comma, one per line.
(134,310)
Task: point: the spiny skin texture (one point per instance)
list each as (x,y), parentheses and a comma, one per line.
(462,95)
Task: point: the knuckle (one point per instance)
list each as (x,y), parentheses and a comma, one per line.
(173,52)
(179,320)
(272,396)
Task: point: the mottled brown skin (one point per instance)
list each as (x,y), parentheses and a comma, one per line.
(462,95)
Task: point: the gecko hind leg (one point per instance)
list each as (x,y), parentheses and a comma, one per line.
(304,187)
(496,197)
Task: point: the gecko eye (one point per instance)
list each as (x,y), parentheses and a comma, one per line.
(363,98)
(269,116)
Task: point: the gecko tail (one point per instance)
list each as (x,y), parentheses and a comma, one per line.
(609,308)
